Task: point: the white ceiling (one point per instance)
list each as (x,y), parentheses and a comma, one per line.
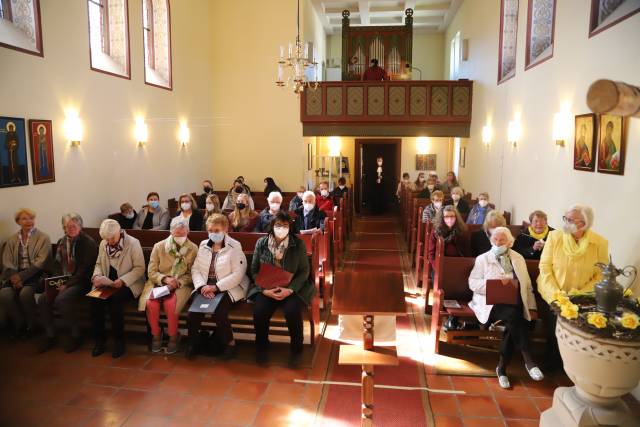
(429,16)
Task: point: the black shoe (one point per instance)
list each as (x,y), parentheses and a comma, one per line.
(295,360)
(72,344)
(229,352)
(46,344)
(215,347)
(98,349)
(118,349)
(192,350)
(262,357)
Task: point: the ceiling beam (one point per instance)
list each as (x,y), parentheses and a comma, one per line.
(363,9)
(451,12)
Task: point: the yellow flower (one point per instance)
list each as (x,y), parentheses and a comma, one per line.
(569,311)
(597,319)
(628,293)
(630,321)
(561,297)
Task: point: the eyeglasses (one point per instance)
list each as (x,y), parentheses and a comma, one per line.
(571,221)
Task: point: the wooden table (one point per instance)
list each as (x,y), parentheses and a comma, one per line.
(368,293)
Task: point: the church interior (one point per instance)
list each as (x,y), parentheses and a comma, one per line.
(319,213)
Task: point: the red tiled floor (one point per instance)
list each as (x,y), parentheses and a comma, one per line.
(92,396)
(544,388)
(522,423)
(470,385)
(236,412)
(517,407)
(145,380)
(442,382)
(112,377)
(196,409)
(141,420)
(107,419)
(179,383)
(448,421)
(542,403)
(161,404)
(517,388)
(483,422)
(282,392)
(248,390)
(281,416)
(160,364)
(213,386)
(444,404)
(478,406)
(125,400)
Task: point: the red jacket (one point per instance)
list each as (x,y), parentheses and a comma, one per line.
(324,203)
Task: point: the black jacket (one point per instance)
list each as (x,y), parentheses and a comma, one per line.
(126,223)
(524,244)
(463,207)
(339,193)
(480,243)
(86,251)
(315,219)
(264,221)
(196,220)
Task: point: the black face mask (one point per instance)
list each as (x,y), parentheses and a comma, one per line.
(241,206)
(207,189)
(238,190)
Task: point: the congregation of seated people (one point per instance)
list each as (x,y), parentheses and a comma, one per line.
(217,265)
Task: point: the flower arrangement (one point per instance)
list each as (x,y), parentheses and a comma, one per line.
(579,309)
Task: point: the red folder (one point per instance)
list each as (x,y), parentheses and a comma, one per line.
(52,285)
(497,293)
(102,292)
(270,277)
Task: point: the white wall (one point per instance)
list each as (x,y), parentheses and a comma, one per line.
(108,168)
(538,174)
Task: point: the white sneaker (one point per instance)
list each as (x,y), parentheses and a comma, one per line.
(503,380)
(536,374)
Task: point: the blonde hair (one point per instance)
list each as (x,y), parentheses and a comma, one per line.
(194,205)
(484,194)
(494,217)
(217,219)
(437,193)
(26,211)
(457,190)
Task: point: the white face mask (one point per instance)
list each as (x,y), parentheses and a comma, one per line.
(437,205)
(308,207)
(129,215)
(421,179)
(455,197)
(300,195)
(341,187)
(569,228)
(274,206)
(324,193)
(280,231)
(483,203)
(210,206)
(180,240)
(185,206)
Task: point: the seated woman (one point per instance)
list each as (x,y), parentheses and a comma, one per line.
(458,202)
(530,242)
(339,191)
(404,183)
(207,188)
(431,210)
(480,210)
(212,206)
(240,178)
(309,218)
(568,262)
(284,250)
(450,227)
(127,216)
(264,221)
(450,183)
(76,255)
(169,265)
(152,216)
(190,212)
(324,199)
(120,265)
(26,256)
(270,186)
(230,200)
(296,202)
(220,266)
(480,240)
(243,218)
(503,263)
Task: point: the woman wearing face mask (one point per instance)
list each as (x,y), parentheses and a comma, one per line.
(503,263)
(531,240)
(127,216)
(220,267)
(152,216)
(244,184)
(404,183)
(270,186)
(284,250)
(264,221)
(169,265)
(323,198)
(243,218)
(450,183)
(480,210)
(459,203)
(341,189)
(420,183)
(207,188)
(309,218)
(212,206)
(296,202)
(190,212)
(480,240)
(450,227)
(431,210)
(567,263)
(237,189)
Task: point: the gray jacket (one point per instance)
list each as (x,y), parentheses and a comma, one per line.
(160,218)
(129,265)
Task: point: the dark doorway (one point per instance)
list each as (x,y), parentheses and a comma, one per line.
(376,194)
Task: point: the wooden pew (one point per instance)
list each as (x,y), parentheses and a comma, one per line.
(259,200)
(416,222)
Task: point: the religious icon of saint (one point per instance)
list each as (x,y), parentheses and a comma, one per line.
(608,149)
(11,144)
(583,158)
(43,151)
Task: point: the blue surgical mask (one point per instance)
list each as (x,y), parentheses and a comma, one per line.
(216,237)
(498,250)
(154,204)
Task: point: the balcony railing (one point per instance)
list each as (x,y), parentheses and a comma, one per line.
(388,108)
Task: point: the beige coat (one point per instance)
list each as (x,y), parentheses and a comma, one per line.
(129,265)
(160,265)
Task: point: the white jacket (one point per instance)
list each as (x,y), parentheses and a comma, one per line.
(231,268)
(488,267)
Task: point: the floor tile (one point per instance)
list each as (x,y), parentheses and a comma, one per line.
(145,380)
(470,385)
(107,419)
(284,392)
(92,396)
(236,412)
(478,406)
(448,421)
(179,383)
(444,404)
(517,407)
(213,386)
(281,416)
(142,420)
(248,390)
(483,422)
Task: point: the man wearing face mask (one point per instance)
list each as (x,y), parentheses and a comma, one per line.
(340,190)
(309,218)
(323,198)
(430,211)
(296,202)
(480,210)
(568,262)
(275,201)
(127,216)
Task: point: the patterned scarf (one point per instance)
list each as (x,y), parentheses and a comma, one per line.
(575,249)
(278,250)
(115,250)
(178,253)
(66,254)
(505,262)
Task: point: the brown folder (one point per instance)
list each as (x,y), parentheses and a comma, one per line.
(270,277)
(102,292)
(497,293)
(52,285)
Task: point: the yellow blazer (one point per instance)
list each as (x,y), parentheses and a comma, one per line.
(560,272)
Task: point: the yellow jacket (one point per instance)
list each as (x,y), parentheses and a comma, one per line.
(561,272)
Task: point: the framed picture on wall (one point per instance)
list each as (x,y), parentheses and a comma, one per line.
(13,153)
(541,20)
(612,144)
(606,14)
(586,136)
(508,40)
(41,147)
(20,27)
(425,162)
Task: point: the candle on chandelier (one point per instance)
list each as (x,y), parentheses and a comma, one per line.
(281,52)
(306,50)
(279,72)
(290,50)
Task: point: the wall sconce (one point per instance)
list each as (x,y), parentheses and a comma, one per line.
(141,132)
(487,135)
(513,132)
(73,129)
(561,127)
(422,145)
(184,134)
(334,146)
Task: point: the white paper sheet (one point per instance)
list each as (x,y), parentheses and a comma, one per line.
(160,292)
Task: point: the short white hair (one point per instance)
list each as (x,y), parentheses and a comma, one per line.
(506,232)
(309,193)
(585,212)
(178,222)
(273,195)
(71,216)
(109,228)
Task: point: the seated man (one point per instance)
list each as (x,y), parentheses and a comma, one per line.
(296,202)
(430,211)
(309,218)
(127,216)
(323,198)
(275,201)
(530,241)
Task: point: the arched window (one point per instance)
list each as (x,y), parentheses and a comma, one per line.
(20,26)
(156,19)
(109,37)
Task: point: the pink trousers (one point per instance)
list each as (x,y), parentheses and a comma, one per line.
(153,314)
